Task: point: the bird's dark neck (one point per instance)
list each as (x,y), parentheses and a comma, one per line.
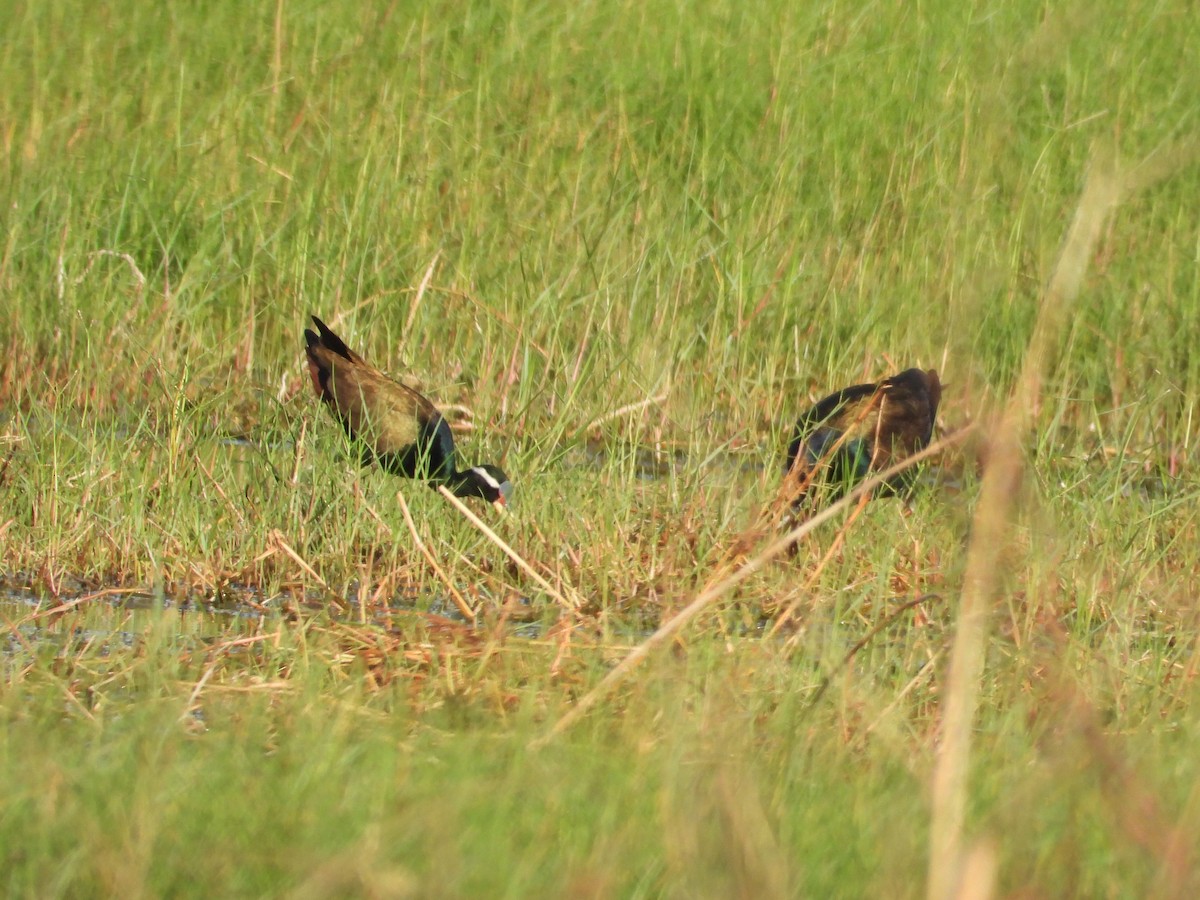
(460,484)
(436,435)
(430,457)
(442,470)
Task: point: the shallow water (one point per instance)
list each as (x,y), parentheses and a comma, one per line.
(34,620)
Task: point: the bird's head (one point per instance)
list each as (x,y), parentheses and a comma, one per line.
(933,385)
(490,483)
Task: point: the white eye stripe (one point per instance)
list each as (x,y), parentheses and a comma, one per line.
(486,477)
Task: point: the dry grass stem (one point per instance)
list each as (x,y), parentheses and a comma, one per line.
(463,606)
(715,591)
(571,605)
(282,544)
(659,398)
(420,294)
(1001,482)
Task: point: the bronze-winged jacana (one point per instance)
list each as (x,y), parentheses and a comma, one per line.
(863,428)
(392,423)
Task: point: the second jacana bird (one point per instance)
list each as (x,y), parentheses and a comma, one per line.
(394,424)
(864,428)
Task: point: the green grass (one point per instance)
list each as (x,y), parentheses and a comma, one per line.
(731,208)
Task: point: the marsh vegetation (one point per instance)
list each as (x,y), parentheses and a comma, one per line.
(622,246)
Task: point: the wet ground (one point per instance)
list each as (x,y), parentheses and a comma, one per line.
(34,615)
(35,621)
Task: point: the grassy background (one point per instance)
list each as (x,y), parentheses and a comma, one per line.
(713,213)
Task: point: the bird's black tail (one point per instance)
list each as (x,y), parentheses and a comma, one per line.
(328,339)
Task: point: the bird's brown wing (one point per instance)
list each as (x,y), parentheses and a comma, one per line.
(905,420)
(383,413)
(884,423)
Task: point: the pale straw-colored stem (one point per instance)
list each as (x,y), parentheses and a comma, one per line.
(715,591)
(511,553)
(1001,480)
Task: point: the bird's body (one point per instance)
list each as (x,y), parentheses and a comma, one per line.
(394,424)
(863,428)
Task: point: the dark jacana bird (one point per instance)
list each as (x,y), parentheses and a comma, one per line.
(864,428)
(394,424)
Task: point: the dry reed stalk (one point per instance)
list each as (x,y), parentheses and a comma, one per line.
(657,399)
(572,605)
(420,294)
(715,591)
(463,606)
(282,544)
(1001,480)
(1105,189)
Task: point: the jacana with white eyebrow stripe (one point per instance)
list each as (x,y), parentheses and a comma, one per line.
(392,423)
